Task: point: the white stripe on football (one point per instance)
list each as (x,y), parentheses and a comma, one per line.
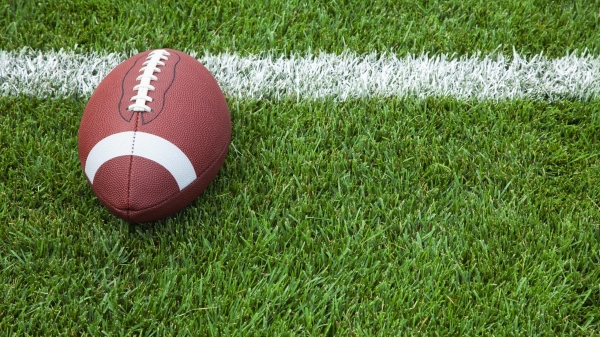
(145,145)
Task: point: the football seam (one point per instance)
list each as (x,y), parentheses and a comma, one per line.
(131,164)
(128,210)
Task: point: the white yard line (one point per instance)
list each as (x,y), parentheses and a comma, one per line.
(340,77)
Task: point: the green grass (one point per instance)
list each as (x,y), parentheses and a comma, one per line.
(455,26)
(367,217)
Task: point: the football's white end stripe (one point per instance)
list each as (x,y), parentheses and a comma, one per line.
(144,145)
(339,77)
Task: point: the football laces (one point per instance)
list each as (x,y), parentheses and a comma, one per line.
(150,67)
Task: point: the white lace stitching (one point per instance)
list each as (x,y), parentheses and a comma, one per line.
(150,67)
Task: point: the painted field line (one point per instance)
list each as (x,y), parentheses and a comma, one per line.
(340,77)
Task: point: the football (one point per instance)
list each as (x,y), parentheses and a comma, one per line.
(153,135)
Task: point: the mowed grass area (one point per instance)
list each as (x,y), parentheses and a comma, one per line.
(296,26)
(365,217)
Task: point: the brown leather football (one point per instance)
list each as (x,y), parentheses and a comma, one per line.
(153,135)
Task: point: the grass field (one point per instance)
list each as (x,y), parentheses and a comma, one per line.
(376,216)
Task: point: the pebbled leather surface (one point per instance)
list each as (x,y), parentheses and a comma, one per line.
(188,109)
